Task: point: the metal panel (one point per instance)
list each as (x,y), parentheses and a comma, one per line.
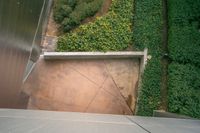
(39,37)
(41,29)
(18,27)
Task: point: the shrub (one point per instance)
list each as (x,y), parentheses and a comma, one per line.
(61,11)
(70,13)
(184,89)
(93,7)
(67,24)
(149,94)
(147,33)
(184,19)
(111,32)
(183,12)
(184,44)
(184,50)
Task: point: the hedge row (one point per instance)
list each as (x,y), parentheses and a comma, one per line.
(70,13)
(184,35)
(149,94)
(184,50)
(111,32)
(184,44)
(184,92)
(147,32)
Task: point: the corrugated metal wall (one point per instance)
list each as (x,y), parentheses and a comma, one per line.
(19,32)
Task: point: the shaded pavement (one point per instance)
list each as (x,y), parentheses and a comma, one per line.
(94,86)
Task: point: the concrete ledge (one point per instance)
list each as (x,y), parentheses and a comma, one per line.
(92,55)
(142,55)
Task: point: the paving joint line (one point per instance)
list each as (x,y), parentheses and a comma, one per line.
(138,124)
(100,88)
(116,86)
(84,76)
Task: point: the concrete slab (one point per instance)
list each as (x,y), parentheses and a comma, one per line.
(167,125)
(23,121)
(95,86)
(125,77)
(94,70)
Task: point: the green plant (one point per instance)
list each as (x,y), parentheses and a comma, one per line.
(184,44)
(184,20)
(149,94)
(61,10)
(147,32)
(184,51)
(70,13)
(111,32)
(183,12)
(184,89)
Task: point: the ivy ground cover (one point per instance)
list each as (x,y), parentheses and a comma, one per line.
(111,32)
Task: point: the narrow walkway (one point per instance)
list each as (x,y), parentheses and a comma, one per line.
(95,86)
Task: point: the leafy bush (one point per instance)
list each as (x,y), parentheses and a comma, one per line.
(149,94)
(70,13)
(183,12)
(147,33)
(184,20)
(61,10)
(184,50)
(184,44)
(184,35)
(184,89)
(108,33)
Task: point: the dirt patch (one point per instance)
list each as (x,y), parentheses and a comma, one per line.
(52,27)
(165,59)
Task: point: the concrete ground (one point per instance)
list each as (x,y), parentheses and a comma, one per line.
(95,86)
(26,121)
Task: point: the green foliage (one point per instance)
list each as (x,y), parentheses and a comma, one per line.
(149,98)
(184,89)
(184,48)
(184,35)
(111,32)
(148,33)
(184,44)
(70,13)
(61,10)
(148,25)
(183,12)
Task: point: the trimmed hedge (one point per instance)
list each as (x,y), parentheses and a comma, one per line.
(184,44)
(149,94)
(184,50)
(147,32)
(111,32)
(184,89)
(184,35)
(183,12)
(70,13)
